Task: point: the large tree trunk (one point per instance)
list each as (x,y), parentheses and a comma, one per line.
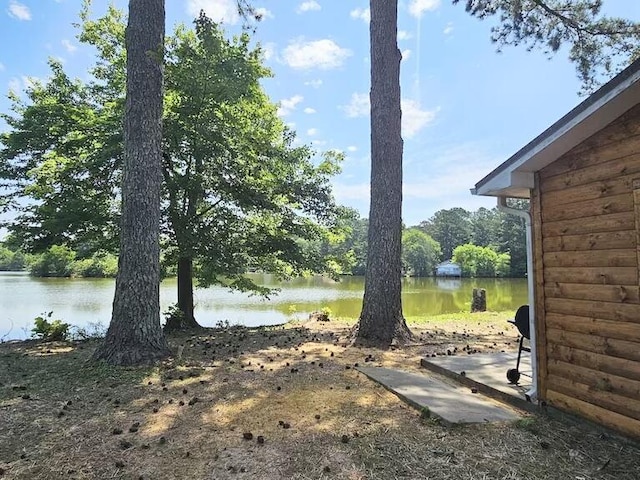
(381,322)
(185,298)
(135,335)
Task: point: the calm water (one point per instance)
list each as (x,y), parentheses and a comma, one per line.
(81,301)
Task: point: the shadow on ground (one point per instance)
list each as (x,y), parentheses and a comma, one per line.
(270,403)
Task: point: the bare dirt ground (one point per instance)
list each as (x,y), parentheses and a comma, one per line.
(273,403)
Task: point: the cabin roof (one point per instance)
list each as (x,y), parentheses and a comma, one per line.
(515,177)
(447,263)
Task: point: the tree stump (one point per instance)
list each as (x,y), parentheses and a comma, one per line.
(479,300)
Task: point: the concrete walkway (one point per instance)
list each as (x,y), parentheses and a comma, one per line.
(451,403)
(487,372)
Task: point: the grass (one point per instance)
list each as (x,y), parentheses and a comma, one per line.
(422,320)
(294,386)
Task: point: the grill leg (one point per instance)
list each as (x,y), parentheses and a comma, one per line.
(519,354)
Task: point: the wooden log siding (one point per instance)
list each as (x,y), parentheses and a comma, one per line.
(588,279)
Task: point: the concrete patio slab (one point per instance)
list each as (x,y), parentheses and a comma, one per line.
(454,404)
(487,372)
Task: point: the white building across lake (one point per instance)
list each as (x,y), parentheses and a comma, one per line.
(448,269)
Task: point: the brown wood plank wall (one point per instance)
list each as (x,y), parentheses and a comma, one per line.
(589,224)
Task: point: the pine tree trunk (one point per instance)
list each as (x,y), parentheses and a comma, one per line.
(135,335)
(185,297)
(381,322)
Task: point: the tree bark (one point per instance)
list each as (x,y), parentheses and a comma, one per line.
(381,322)
(135,335)
(185,298)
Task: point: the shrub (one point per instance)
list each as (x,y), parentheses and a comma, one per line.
(56,262)
(11,261)
(173,314)
(49,331)
(100,265)
(91,331)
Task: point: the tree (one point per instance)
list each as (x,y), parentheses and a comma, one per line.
(512,239)
(51,157)
(135,335)
(237,195)
(484,227)
(381,321)
(479,261)
(599,46)
(420,252)
(449,228)
(347,247)
(240,196)
(596,42)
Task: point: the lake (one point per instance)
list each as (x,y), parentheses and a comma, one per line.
(81,301)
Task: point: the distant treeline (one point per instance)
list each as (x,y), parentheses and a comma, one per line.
(485,243)
(59,261)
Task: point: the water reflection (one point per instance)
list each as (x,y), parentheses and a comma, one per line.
(81,301)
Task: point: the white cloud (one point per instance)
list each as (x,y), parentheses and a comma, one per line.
(352,148)
(264,13)
(19,11)
(309,110)
(448,30)
(314,83)
(319,143)
(358,191)
(323,54)
(312,132)
(308,6)
(358,106)
(406,54)
(418,7)
(363,14)
(69,46)
(218,10)
(404,35)
(414,118)
(288,105)
(1,66)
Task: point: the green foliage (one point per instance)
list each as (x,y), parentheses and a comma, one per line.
(480,261)
(239,194)
(449,228)
(49,331)
(92,331)
(503,233)
(173,314)
(12,261)
(420,253)
(57,261)
(485,227)
(99,265)
(598,45)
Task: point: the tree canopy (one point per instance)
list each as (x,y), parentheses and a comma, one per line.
(237,195)
(599,46)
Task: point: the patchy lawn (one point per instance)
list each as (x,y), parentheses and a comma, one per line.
(272,403)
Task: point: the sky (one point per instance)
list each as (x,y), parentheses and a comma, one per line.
(466,108)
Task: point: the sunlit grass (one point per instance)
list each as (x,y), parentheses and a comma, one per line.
(462,317)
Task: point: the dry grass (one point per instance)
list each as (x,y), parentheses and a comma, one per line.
(61,416)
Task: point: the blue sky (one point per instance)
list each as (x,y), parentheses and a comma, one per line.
(466,108)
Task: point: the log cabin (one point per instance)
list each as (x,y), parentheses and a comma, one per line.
(582,179)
